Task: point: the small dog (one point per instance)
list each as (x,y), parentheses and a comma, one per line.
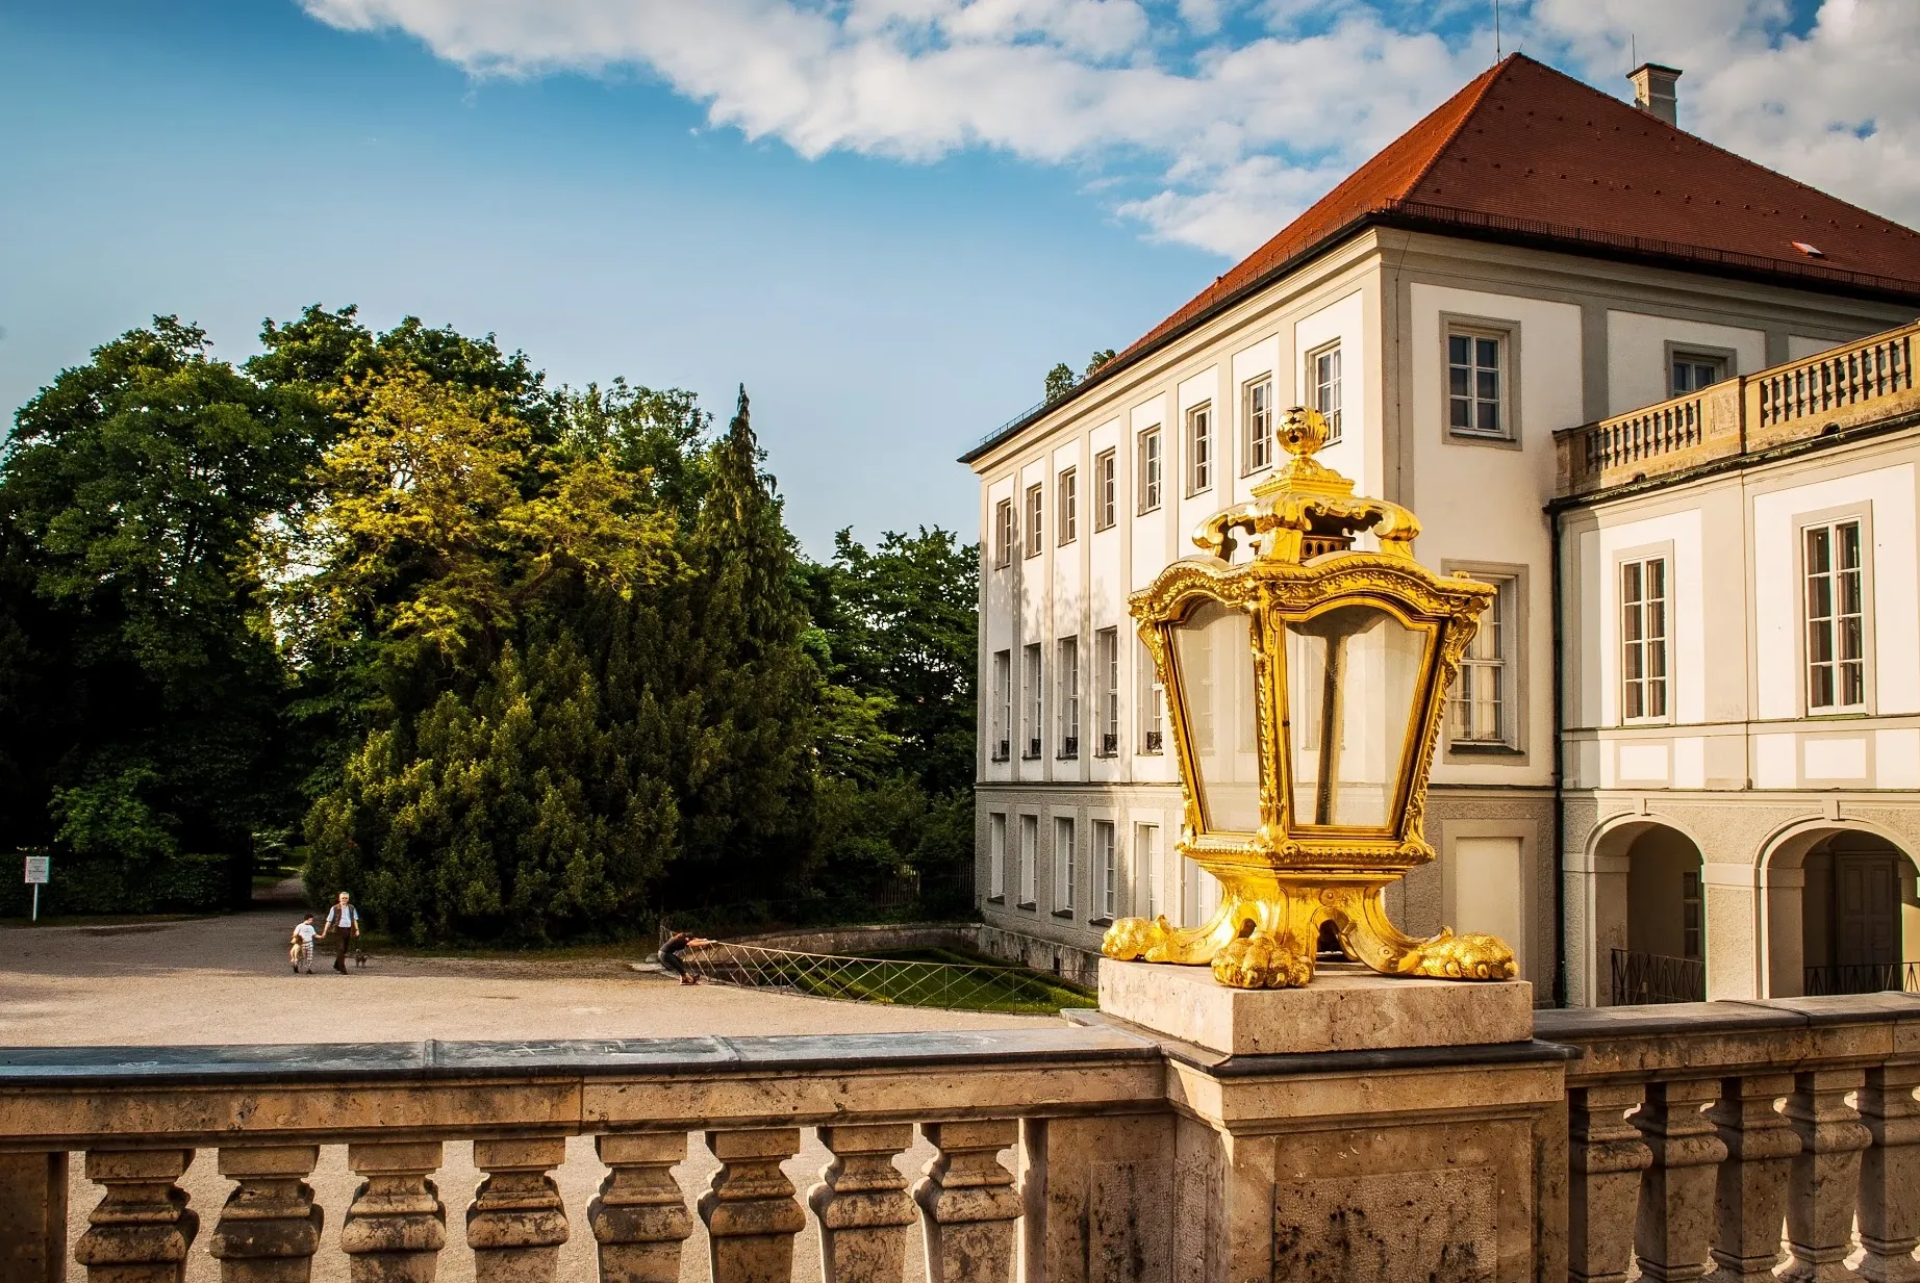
(359,956)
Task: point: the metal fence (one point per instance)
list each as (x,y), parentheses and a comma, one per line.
(1864,977)
(1640,978)
(957,986)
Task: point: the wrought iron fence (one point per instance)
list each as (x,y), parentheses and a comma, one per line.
(956,986)
(1863,977)
(1640,978)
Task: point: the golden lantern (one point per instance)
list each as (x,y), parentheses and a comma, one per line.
(1306,689)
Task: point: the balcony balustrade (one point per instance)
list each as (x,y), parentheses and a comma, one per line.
(1667,1142)
(1842,388)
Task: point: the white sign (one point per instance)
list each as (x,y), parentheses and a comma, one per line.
(37,867)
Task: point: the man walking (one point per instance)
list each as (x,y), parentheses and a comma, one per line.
(345,919)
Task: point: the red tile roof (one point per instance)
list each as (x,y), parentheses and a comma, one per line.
(1527,154)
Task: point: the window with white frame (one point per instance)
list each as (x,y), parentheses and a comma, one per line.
(1644,585)
(1029,858)
(1002,705)
(1067,500)
(1200,449)
(1106,665)
(1477,384)
(1106,873)
(1692,371)
(1031,677)
(1257,413)
(1036,528)
(1836,617)
(1106,482)
(1483,697)
(997,855)
(1003,533)
(1067,668)
(1151,464)
(1323,386)
(1147,869)
(1063,865)
(1152,704)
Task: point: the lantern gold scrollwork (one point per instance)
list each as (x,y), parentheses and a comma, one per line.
(1306,689)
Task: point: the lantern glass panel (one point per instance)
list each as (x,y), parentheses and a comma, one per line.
(1353,678)
(1214,649)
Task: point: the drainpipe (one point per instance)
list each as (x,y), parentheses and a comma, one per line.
(1554,576)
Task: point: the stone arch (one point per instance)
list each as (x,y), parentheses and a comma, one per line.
(1649,910)
(1840,899)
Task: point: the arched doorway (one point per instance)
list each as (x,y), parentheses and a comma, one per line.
(1650,915)
(1842,915)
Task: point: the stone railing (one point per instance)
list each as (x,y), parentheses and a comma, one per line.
(1668,1141)
(1841,388)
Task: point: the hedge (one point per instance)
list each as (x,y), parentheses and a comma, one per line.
(80,886)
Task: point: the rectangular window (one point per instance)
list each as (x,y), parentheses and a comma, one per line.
(1690,914)
(1692,372)
(1483,697)
(1149,471)
(1477,384)
(1036,527)
(1063,865)
(1003,533)
(1106,665)
(997,856)
(1106,874)
(1153,700)
(1643,639)
(1147,870)
(1002,705)
(1068,669)
(1106,481)
(1067,499)
(1029,856)
(1199,449)
(1323,384)
(1030,661)
(1258,412)
(1836,618)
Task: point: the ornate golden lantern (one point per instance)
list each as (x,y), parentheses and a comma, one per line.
(1306,688)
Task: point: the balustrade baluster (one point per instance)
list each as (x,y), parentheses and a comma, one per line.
(142,1229)
(269,1229)
(396,1226)
(517,1221)
(1825,1184)
(968,1202)
(1606,1156)
(750,1210)
(1676,1223)
(862,1204)
(1890,1175)
(640,1217)
(1752,1188)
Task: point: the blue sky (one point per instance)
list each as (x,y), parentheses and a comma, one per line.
(886,217)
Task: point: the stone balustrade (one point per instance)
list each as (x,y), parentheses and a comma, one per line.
(1731,1140)
(1843,388)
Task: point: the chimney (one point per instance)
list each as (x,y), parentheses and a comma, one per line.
(1653,91)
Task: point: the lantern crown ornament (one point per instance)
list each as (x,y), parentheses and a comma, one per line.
(1306,681)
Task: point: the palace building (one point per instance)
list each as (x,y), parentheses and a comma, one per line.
(1656,394)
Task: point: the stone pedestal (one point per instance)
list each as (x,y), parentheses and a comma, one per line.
(1361,1127)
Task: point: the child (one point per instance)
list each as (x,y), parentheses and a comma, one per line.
(301,952)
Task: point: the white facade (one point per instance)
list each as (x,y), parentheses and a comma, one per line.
(1573,340)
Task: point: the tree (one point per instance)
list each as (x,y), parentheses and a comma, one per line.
(1099,358)
(1060,381)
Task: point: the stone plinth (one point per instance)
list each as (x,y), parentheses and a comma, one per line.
(1346,1008)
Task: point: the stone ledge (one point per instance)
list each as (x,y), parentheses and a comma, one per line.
(1346,1008)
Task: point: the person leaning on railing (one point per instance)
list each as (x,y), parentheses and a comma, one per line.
(677,944)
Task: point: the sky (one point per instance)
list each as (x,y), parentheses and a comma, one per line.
(886,218)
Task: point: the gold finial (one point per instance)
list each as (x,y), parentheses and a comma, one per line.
(1303,431)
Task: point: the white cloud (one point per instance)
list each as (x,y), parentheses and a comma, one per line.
(1209,121)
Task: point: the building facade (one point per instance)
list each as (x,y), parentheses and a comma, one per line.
(1483,284)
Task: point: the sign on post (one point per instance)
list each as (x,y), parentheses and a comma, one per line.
(39,868)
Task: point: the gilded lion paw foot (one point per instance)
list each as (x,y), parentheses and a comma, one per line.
(1468,957)
(1131,938)
(1261,962)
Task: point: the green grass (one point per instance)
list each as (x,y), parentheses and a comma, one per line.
(985,985)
